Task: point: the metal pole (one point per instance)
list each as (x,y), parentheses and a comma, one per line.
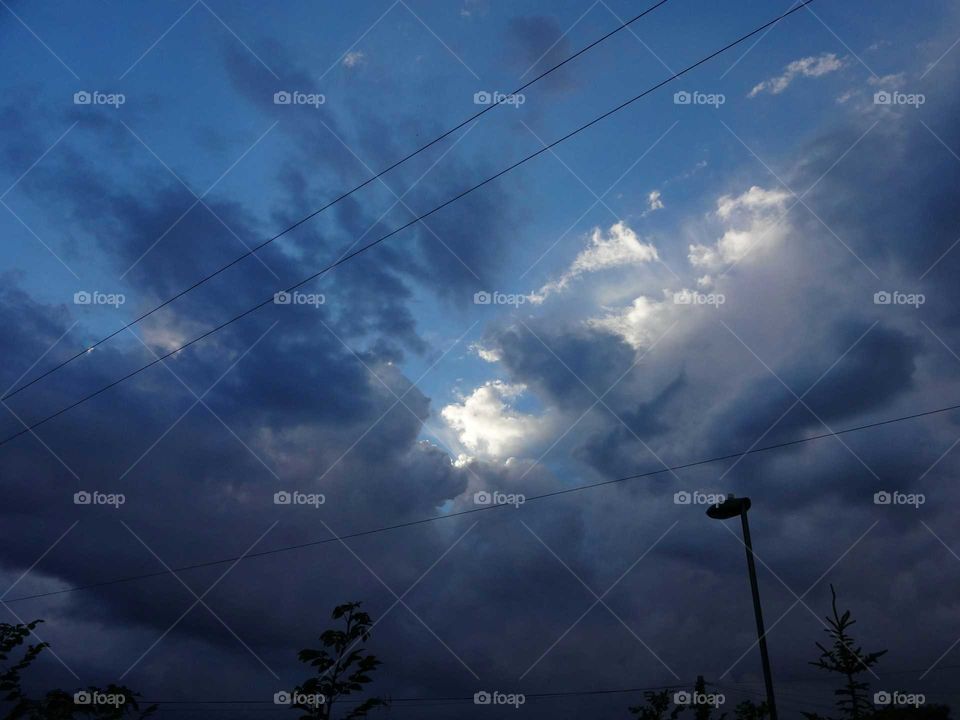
(761,633)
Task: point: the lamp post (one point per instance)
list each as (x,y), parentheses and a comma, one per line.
(730,508)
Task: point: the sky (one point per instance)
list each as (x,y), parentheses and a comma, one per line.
(761,250)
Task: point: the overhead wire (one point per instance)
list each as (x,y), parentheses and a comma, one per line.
(499,100)
(346,258)
(481,508)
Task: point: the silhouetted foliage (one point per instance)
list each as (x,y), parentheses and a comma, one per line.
(342,666)
(847,659)
(844,658)
(749,710)
(659,706)
(704,711)
(55,704)
(662,705)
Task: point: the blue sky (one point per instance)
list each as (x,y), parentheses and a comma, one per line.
(784,197)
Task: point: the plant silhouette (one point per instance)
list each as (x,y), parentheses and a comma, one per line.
(749,710)
(342,667)
(663,705)
(847,659)
(660,706)
(843,658)
(55,704)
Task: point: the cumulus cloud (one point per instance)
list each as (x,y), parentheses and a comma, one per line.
(490,355)
(753,221)
(620,246)
(654,201)
(487,424)
(300,402)
(638,325)
(813,66)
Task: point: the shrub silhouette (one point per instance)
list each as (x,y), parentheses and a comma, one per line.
(342,666)
(844,658)
(661,706)
(55,704)
(847,659)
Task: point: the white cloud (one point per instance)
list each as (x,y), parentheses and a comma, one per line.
(805,67)
(751,222)
(845,96)
(486,354)
(754,222)
(167,337)
(753,200)
(620,246)
(487,424)
(653,201)
(639,324)
(352,59)
(888,81)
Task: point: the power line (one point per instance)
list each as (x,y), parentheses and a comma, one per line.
(343,196)
(355,253)
(429,701)
(880,672)
(247,705)
(434,518)
(427,698)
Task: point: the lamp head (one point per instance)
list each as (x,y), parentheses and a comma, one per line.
(729,508)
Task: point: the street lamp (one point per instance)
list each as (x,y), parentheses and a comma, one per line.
(730,508)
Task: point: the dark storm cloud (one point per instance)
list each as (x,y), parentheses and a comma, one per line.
(226,493)
(346,141)
(878,369)
(571,367)
(300,406)
(912,217)
(618,452)
(300,401)
(813,501)
(539,43)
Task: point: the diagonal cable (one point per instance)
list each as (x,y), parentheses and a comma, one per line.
(337,199)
